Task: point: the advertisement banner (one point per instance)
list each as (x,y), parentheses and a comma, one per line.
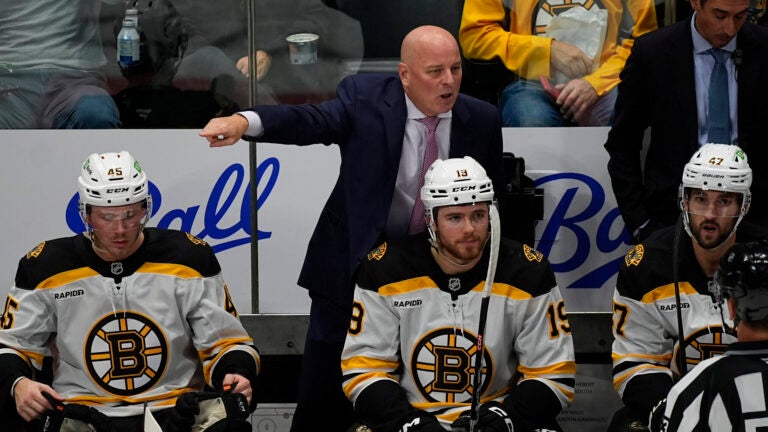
(194,189)
(207,192)
(582,233)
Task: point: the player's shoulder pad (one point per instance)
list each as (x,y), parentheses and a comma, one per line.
(178,247)
(525,268)
(653,253)
(392,262)
(377,253)
(47,259)
(645,267)
(634,256)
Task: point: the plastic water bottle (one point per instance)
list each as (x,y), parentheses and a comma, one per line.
(133,15)
(128,51)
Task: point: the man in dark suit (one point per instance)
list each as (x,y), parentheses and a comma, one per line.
(664,85)
(375,120)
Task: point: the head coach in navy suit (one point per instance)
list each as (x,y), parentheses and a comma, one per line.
(376,122)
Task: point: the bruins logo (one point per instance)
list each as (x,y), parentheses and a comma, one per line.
(548,9)
(378,253)
(703,344)
(195,240)
(633,257)
(126,354)
(34,253)
(229,305)
(443,366)
(532,254)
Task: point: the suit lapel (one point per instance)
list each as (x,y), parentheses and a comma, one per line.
(679,58)
(394,113)
(459,128)
(749,71)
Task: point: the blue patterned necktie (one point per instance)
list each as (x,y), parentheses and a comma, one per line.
(719,122)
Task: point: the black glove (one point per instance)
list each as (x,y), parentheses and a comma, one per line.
(422,424)
(491,418)
(182,416)
(656,419)
(52,420)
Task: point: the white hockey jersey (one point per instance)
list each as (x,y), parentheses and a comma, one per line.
(645,324)
(145,329)
(416,326)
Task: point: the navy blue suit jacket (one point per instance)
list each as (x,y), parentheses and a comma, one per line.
(367,122)
(657,89)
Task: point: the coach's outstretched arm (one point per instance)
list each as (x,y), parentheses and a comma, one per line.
(224,131)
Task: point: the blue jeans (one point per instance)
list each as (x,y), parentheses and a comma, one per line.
(55,99)
(525,103)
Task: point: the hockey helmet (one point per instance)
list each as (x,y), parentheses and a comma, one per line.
(717,167)
(112,180)
(743,277)
(454,182)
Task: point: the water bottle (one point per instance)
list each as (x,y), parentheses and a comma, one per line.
(128,51)
(133,15)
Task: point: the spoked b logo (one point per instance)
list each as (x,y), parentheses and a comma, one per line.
(126,353)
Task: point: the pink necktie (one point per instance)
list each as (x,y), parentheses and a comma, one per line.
(417,224)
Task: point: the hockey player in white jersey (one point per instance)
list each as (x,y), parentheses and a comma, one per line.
(665,318)
(410,354)
(729,392)
(130,315)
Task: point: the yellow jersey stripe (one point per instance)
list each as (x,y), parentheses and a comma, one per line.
(66,277)
(668,291)
(424,282)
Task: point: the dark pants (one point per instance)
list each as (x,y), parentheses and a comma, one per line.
(322,404)
(116,424)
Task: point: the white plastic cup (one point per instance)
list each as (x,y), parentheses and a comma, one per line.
(303,48)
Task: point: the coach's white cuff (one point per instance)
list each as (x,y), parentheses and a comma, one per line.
(255,128)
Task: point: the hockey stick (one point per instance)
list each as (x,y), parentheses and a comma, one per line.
(480,351)
(682,364)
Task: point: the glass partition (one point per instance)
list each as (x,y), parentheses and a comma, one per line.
(74,64)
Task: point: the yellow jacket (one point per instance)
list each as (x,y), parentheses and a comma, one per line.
(483,36)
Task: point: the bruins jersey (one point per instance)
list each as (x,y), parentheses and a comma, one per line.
(415,326)
(145,329)
(645,326)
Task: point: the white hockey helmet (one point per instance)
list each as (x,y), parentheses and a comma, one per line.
(112,180)
(718,167)
(454,182)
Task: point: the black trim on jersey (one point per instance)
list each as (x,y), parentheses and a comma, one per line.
(655,268)
(236,362)
(384,407)
(13,367)
(628,365)
(522,271)
(412,258)
(159,246)
(643,392)
(532,404)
